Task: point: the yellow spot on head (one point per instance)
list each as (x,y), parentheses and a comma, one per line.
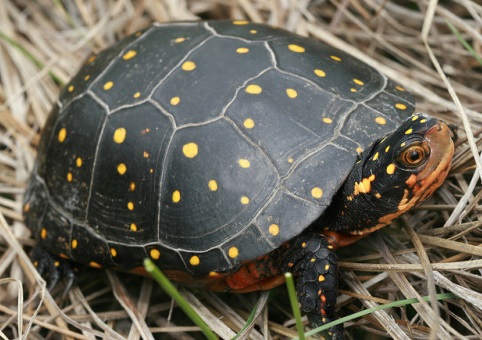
(317,192)
(155,254)
(391,169)
(175,100)
(133,227)
(130,205)
(136,95)
(242,50)
(74,243)
(214,274)
(179,40)
(248,123)
(253,89)
(244,200)
(401,106)
(409,131)
(414,118)
(113,252)
(423,121)
(327,266)
(377,195)
(190,150)
(119,135)
(244,163)
(26,207)
(273,229)
(240,22)
(233,252)
(291,93)
(327,120)
(69,177)
(71,88)
(376,156)
(358,81)
(121,168)
(296,48)
(108,85)
(78,162)
(176,196)
(320,73)
(387,148)
(62,135)
(43,233)
(87,77)
(403,144)
(188,66)
(194,260)
(380,120)
(213,185)
(129,55)
(353,90)
(335,58)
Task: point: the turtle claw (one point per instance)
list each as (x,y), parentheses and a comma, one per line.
(53,268)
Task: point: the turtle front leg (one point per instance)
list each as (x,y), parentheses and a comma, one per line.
(312,261)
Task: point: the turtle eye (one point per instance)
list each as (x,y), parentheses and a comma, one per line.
(413,155)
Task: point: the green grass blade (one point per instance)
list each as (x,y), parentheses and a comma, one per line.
(464,42)
(294,305)
(169,288)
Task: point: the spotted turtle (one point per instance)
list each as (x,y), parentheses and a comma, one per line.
(229,153)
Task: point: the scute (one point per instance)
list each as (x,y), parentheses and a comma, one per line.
(202,145)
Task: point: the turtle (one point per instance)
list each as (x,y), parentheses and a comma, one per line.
(229,153)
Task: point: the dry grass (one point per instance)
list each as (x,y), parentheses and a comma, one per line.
(436,248)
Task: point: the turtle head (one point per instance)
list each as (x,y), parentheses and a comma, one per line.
(395,174)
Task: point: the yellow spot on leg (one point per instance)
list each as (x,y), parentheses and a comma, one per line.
(74,243)
(62,135)
(194,260)
(133,227)
(409,131)
(94,264)
(316,192)
(119,135)
(69,177)
(233,252)
(78,162)
(155,254)
(274,229)
(190,150)
(176,196)
(130,205)
(253,89)
(113,252)
(132,186)
(43,233)
(321,278)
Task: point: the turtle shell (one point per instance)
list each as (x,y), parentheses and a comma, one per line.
(202,145)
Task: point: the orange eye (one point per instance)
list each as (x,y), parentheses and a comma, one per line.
(413,155)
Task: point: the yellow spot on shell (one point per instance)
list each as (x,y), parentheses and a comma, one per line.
(119,135)
(240,22)
(137,95)
(320,73)
(155,254)
(71,88)
(175,100)
(188,66)
(327,120)
(179,40)
(91,59)
(400,88)
(291,93)
(62,135)
(94,264)
(409,131)
(380,120)
(401,106)
(113,252)
(190,150)
(194,260)
(359,150)
(253,89)
(26,207)
(129,55)
(132,186)
(78,162)
(69,177)
(87,77)
(213,185)
(253,31)
(74,243)
(43,233)
(214,274)
(273,229)
(358,81)
(242,50)
(296,48)
(121,168)
(176,196)
(133,227)
(233,252)
(391,169)
(290,160)
(335,58)
(248,123)
(353,90)
(145,154)
(108,85)
(130,205)
(244,163)
(245,200)
(316,192)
